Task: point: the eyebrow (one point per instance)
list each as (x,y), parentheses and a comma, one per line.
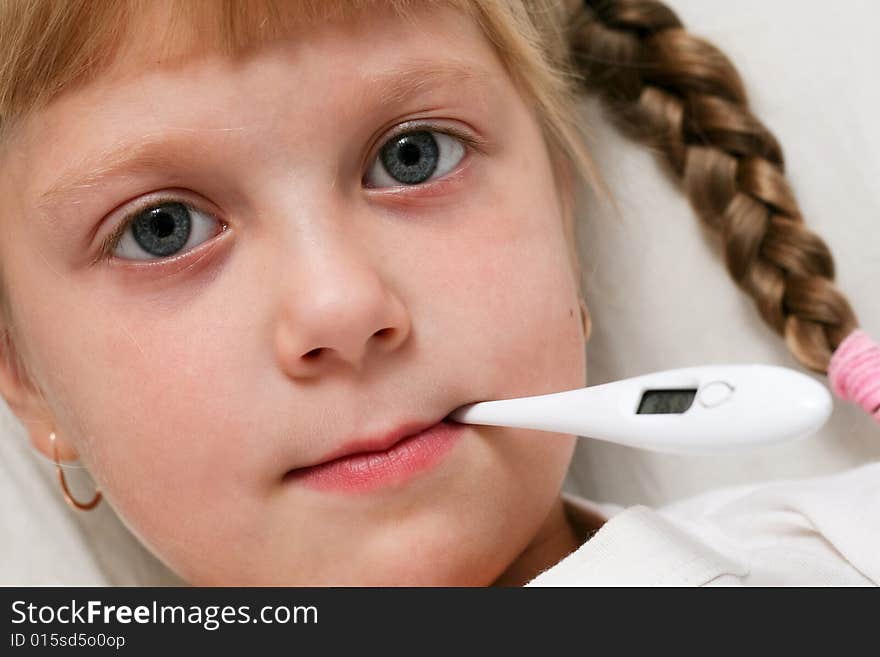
(413,75)
(156,151)
(152,152)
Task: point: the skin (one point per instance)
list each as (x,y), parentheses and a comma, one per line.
(186,388)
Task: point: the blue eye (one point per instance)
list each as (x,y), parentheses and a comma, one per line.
(161,230)
(168,228)
(413,157)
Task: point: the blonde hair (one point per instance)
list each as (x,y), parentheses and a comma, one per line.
(664,87)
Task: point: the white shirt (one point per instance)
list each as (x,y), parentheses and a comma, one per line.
(814,532)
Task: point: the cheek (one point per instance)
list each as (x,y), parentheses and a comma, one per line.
(153,407)
(517,331)
(515,298)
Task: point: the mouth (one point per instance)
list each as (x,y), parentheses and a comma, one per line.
(382,460)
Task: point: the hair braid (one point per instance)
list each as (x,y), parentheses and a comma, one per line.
(682,96)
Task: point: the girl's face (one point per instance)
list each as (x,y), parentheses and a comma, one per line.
(319,296)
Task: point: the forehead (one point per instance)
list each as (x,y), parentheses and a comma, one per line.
(345,67)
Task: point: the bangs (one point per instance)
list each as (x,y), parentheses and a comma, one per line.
(47,47)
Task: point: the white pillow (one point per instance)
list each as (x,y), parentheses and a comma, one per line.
(655,280)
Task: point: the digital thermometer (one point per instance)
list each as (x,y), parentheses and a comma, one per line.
(693,409)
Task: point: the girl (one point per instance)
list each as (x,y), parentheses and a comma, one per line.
(290,238)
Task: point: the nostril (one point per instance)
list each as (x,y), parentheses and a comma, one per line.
(316,352)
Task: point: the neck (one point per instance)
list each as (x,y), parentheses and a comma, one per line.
(556,538)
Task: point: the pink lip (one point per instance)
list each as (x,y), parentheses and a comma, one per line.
(366,465)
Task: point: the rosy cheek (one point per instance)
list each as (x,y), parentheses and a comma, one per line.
(121,389)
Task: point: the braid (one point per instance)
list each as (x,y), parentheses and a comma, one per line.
(683,97)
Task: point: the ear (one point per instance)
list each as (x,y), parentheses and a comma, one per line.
(27,401)
(588,328)
(588,319)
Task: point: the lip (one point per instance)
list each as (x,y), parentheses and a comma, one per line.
(376,462)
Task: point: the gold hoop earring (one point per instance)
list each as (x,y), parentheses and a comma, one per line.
(87,506)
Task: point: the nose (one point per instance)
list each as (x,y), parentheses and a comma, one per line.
(340,312)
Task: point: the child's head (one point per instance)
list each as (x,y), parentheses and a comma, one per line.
(313,298)
(288,284)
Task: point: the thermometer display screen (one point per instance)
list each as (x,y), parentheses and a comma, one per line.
(666,401)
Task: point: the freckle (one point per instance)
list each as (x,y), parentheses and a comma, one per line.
(571,312)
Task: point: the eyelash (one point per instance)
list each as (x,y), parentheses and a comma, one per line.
(105,251)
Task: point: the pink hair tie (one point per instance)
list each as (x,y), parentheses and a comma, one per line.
(854,372)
